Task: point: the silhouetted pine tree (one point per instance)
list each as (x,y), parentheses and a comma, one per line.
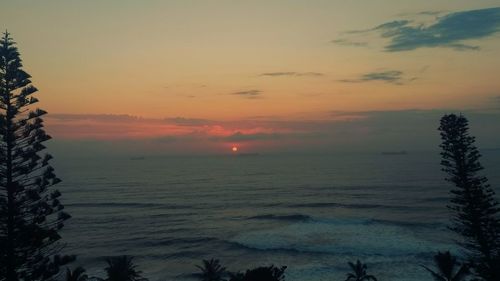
(30,213)
(476,212)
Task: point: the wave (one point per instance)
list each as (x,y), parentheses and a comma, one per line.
(182,254)
(436,199)
(344,237)
(352,206)
(179,241)
(286,250)
(431,225)
(293,217)
(128,205)
(259,174)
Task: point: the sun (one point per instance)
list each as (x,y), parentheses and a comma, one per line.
(234,149)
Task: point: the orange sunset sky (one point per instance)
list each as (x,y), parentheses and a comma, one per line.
(204,76)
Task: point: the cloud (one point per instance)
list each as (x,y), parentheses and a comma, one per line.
(430,13)
(347,42)
(390,76)
(278,74)
(451,30)
(250,94)
(239,136)
(268,136)
(95,117)
(336,131)
(126,127)
(181,121)
(290,73)
(171,139)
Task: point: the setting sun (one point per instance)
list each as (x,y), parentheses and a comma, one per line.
(235,148)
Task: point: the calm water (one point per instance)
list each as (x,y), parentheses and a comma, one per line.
(311,213)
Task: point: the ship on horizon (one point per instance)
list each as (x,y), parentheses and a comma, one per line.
(401,152)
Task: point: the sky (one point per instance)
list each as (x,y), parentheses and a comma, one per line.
(267,76)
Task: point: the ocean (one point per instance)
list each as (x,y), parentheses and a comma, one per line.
(312,213)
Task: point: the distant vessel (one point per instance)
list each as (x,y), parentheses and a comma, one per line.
(137,158)
(248,154)
(402,152)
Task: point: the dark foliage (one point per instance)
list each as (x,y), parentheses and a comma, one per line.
(211,270)
(265,273)
(359,272)
(476,212)
(30,211)
(448,268)
(122,268)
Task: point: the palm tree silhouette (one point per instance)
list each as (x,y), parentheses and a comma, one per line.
(122,269)
(77,274)
(263,273)
(446,265)
(359,272)
(211,270)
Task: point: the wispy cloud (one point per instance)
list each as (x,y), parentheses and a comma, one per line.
(429,13)
(95,117)
(347,42)
(269,136)
(390,76)
(239,136)
(292,73)
(249,94)
(451,30)
(182,121)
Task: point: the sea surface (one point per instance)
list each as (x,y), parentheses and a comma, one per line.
(312,213)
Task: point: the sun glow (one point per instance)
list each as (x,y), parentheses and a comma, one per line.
(234,149)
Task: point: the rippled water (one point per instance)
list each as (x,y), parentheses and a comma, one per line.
(311,213)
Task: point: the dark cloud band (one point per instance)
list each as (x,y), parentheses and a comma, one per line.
(453,30)
(391,76)
(250,94)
